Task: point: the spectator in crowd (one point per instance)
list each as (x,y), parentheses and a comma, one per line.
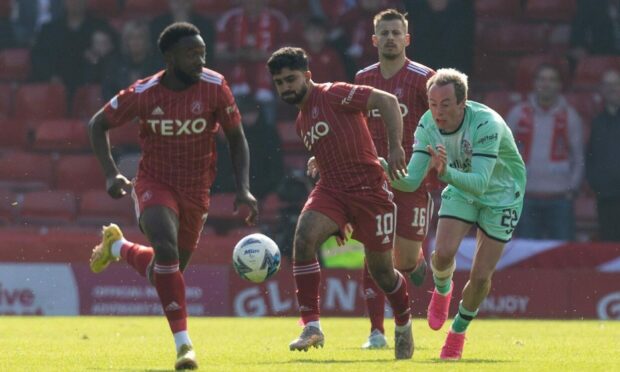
(595,28)
(549,135)
(327,62)
(266,167)
(28,16)
(602,170)
(246,36)
(135,60)
(58,54)
(442,33)
(183,11)
(101,51)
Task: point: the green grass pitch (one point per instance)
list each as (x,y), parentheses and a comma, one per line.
(261,344)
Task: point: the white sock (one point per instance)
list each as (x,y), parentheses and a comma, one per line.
(403,327)
(181,338)
(116,247)
(316,324)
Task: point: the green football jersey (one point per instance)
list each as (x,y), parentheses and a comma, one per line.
(484,163)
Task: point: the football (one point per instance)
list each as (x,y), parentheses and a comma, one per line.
(256,258)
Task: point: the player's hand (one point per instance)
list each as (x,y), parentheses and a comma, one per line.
(313,168)
(397,167)
(439,158)
(246,198)
(117,186)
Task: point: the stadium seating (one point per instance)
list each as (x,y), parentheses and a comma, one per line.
(221,216)
(209,8)
(590,70)
(494,9)
(529,64)
(5,8)
(41,101)
(87,101)
(14,64)
(98,208)
(588,104)
(79,173)
(47,208)
(512,38)
(270,208)
(550,10)
(295,162)
(125,135)
(559,39)
(289,137)
(61,135)
(14,134)
(24,171)
(144,8)
(502,100)
(7,206)
(6,94)
(104,8)
(493,72)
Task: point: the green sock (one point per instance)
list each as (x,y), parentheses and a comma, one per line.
(442,284)
(462,319)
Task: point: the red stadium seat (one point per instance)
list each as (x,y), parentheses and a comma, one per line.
(87,101)
(296,162)
(104,8)
(270,208)
(494,72)
(14,133)
(61,135)
(98,208)
(79,173)
(5,8)
(289,137)
(512,38)
(209,8)
(591,69)
(585,212)
(8,206)
(36,102)
(26,171)
(15,64)
(502,101)
(48,208)
(550,10)
(6,101)
(127,134)
(145,8)
(498,8)
(524,80)
(221,216)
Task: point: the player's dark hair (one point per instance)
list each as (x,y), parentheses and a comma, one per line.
(288,57)
(173,33)
(390,15)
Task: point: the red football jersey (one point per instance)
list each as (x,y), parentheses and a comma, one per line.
(409,86)
(177,129)
(333,128)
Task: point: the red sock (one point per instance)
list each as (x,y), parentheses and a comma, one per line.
(137,256)
(171,290)
(375,301)
(399,299)
(307,279)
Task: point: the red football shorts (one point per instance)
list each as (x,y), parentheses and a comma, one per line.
(192,216)
(372,214)
(415,210)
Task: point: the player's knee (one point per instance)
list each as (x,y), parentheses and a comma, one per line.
(165,250)
(383,277)
(480,280)
(304,243)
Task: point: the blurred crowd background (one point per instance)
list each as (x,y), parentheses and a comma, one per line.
(551,68)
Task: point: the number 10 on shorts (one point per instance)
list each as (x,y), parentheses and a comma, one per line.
(385,224)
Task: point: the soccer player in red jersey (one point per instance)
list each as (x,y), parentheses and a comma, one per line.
(179,111)
(406,79)
(352,188)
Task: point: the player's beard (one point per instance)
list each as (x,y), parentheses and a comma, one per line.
(183,77)
(297,97)
(391,56)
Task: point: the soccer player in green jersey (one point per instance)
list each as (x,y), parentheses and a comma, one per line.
(474,152)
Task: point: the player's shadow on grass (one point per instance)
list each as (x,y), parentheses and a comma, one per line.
(463,361)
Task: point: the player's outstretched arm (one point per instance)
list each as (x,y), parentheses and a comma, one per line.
(116,183)
(416,172)
(240,156)
(388,107)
